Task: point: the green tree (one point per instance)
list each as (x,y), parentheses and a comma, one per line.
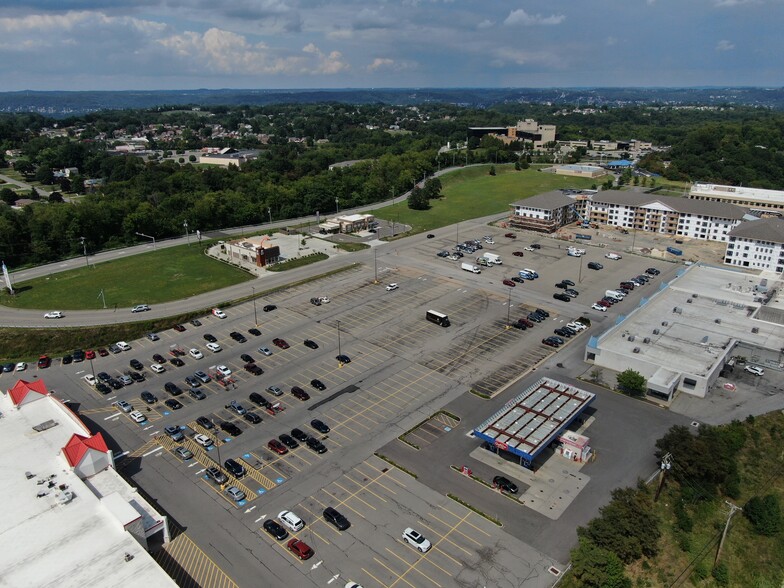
(632,383)
(492,170)
(56,197)
(44,174)
(192,158)
(24,166)
(417,200)
(8,196)
(432,188)
(764,514)
(595,567)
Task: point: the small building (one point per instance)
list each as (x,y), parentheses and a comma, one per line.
(352,223)
(574,447)
(619,164)
(757,244)
(525,130)
(579,171)
(258,250)
(226,157)
(527,424)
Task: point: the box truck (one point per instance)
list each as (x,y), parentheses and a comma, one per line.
(470,267)
(493,258)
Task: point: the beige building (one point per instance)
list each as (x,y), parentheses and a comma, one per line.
(258,250)
(752,198)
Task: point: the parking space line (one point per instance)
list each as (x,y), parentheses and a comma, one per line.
(458,531)
(189,566)
(412,567)
(376,579)
(354,495)
(394,573)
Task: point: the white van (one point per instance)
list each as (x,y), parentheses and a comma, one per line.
(613,294)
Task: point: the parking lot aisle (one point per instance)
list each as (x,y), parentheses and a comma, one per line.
(265,482)
(189,566)
(411,567)
(393,576)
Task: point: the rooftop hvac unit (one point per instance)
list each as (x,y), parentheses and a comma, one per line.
(631,337)
(695,295)
(665,323)
(636,350)
(755,330)
(656,331)
(688,301)
(646,340)
(717,321)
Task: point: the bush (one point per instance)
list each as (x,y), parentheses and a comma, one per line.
(700,572)
(764,514)
(721,574)
(632,383)
(683,520)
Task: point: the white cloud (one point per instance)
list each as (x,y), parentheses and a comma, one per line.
(610,41)
(505,55)
(730,3)
(485,24)
(521,17)
(725,45)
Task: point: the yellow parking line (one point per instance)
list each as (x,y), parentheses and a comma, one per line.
(190,567)
(376,579)
(413,567)
(354,495)
(394,573)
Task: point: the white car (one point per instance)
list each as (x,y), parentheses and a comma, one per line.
(55,314)
(203,440)
(21,366)
(196,354)
(138,417)
(219,313)
(325,300)
(157,368)
(123,346)
(391,287)
(754,369)
(265,350)
(291,520)
(576,326)
(352,585)
(90,379)
(140,308)
(599,307)
(214,347)
(612,256)
(529,248)
(124,406)
(224,370)
(416,539)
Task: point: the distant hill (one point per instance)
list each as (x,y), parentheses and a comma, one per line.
(62,104)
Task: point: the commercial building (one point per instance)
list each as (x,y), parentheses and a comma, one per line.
(711,221)
(227,156)
(258,250)
(525,130)
(579,170)
(684,335)
(526,425)
(754,199)
(757,244)
(350,223)
(69,519)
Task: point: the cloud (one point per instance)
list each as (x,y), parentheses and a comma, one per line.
(521,17)
(725,45)
(730,3)
(485,24)
(387,64)
(610,41)
(371,19)
(506,55)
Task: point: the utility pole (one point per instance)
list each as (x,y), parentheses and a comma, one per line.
(508,307)
(84,246)
(187,235)
(339,352)
(733,510)
(666,464)
(375,267)
(255,315)
(580,278)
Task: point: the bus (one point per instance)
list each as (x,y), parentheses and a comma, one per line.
(438,318)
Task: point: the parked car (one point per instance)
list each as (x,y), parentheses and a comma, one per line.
(238,337)
(210,337)
(203,440)
(299,548)
(269,308)
(299,393)
(176,361)
(136,365)
(148,397)
(235,494)
(179,328)
(172,388)
(320,426)
(291,520)
(336,519)
(299,435)
(562,297)
(230,428)
(278,342)
(216,475)
(510,236)
(235,406)
(754,370)
(153,336)
(214,347)
(223,370)
(275,390)
(258,399)
(265,351)
(505,484)
(173,403)
(254,331)
(196,394)
(318,384)
(253,369)
(218,313)
(205,422)
(138,417)
(44,362)
(183,453)
(518,254)
(124,405)
(507,282)
(288,440)
(235,468)
(342,358)
(277,447)
(311,344)
(174,432)
(195,353)
(391,287)
(416,539)
(140,308)
(252,417)
(275,530)
(315,445)
(202,376)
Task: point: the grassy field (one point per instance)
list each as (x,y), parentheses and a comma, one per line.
(177,272)
(471,193)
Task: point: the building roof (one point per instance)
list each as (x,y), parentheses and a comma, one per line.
(78,445)
(529,422)
(684,205)
(737,193)
(546,201)
(765,229)
(620,163)
(22,388)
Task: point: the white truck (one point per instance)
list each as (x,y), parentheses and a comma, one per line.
(470,267)
(493,258)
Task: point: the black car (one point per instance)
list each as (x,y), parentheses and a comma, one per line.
(253,369)
(252,417)
(65,361)
(519,324)
(288,441)
(210,338)
(173,403)
(115,384)
(158,358)
(505,484)
(562,285)
(275,530)
(595,265)
(103,376)
(269,308)
(320,426)
(343,358)
(558,340)
(136,365)
(299,435)
(257,398)
(318,384)
(205,422)
(563,297)
(315,445)
(234,468)
(136,376)
(255,332)
(238,337)
(532,316)
(114,348)
(102,388)
(335,518)
(172,388)
(562,332)
(148,397)
(518,279)
(196,322)
(310,343)
(652,271)
(535,246)
(231,428)
(9,367)
(430,235)
(177,361)
(550,341)
(78,355)
(246,358)
(568,283)
(299,393)
(542,312)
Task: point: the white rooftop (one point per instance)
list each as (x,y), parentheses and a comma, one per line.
(46,540)
(737,192)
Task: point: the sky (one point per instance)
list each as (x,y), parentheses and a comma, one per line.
(269,44)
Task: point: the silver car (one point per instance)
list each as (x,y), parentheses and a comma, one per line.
(235,493)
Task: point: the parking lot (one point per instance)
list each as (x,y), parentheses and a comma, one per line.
(402,369)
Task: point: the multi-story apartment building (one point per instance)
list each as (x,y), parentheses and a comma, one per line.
(757,244)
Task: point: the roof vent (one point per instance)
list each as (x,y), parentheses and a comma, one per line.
(755,330)
(631,337)
(656,331)
(695,295)
(717,321)
(665,323)
(636,350)
(688,301)
(646,340)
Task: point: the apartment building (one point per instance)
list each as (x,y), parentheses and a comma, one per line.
(757,244)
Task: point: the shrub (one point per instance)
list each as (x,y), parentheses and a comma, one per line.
(721,574)
(764,514)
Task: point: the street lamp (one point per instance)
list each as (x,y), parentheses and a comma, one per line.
(337,206)
(187,234)
(580,276)
(375,267)
(269,211)
(339,353)
(508,307)
(149,237)
(86,259)
(255,315)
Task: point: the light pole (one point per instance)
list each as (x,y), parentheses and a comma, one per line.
(580,276)
(269,211)
(337,206)
(339,352)
(149,237)
(508,307)
(86,259)
(375,267)
(255,315)
(217,446)
(187,234)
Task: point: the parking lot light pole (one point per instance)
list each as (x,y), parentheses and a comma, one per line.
(84,245)
(508,307)
(149,237)
(92,368)
(269,211)
(220,467)
(339,352)
(580,276)
(187,234)
(255,314)
(337,206)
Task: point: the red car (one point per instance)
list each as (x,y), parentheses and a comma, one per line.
(280,343)
(603,303)
(509,283)
(89,354)
(511,236)
(44,362)
(518,254)
(277,447)
(102,352)
(179,328)
(299,548)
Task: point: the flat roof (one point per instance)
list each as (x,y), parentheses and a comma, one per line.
(529,422)
(738,192)
(714,306)
(50,541)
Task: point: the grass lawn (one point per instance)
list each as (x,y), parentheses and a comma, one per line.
(157,276)
(471,193)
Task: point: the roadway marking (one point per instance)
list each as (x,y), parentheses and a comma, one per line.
(112,416)
(156,450)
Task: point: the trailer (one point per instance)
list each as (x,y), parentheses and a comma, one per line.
(674,251)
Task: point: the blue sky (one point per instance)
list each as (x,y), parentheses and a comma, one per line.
(185,44)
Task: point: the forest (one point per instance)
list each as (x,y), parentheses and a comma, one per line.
(398,146)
